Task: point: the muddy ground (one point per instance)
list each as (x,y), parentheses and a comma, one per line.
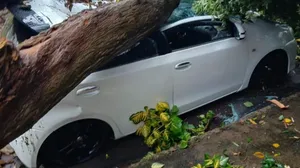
(222,140)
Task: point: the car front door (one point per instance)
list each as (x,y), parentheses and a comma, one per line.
(139,77)
(210,62)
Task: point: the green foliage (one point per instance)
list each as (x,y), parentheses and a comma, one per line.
(216,161)
(286,11)
(270,162)
(163,128)
(204,121)
(248,104)
(184,10)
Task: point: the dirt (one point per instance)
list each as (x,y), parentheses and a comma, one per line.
(222,141)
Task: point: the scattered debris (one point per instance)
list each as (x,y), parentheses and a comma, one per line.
(276,145)
(157,165)
(292,119)
(216,161)
(271,97)
(277,103)
(262,122)
(236,153)
(276,154)
(287,122)
(234,143)
(294,137)
(252,121)
(248,104)
(297,130)
(281,117)
(259,155)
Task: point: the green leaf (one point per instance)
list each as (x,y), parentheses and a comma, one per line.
(223,160)
(248,104)
(156,134)
(281,117)
(136,118)
(166,145)
(206,156)
(166,135)
(216,163)
(145,131)
(164,117)
(183,144)
(185,136)
(201,116)
(208,162)
(174,110)
(210,114)
(150,141)
(188,126)
(157,149)
(176,126)
(153,123)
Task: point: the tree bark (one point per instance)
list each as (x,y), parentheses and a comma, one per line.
(41,71)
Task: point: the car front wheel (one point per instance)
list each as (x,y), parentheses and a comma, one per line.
(270,72)
(74,143)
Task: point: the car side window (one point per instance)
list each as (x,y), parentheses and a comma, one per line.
(189,35)
(144,49)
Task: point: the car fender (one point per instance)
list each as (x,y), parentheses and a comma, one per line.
(256,61)
(263,38)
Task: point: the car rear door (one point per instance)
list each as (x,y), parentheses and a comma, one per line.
(209,63)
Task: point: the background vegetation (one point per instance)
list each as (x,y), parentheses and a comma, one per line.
(285,11)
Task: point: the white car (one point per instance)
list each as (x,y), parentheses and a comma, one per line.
(188,63)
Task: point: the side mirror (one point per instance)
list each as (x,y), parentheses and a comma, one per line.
(240,32)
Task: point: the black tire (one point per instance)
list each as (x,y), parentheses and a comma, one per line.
(74,143)
(270,72)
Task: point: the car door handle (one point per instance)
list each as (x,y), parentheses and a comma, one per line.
(88,91)
(183,65)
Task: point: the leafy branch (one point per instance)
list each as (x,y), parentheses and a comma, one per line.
(163,128)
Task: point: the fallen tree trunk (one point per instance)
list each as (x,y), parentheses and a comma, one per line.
(36,75)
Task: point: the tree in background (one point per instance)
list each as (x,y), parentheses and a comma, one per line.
(285,11)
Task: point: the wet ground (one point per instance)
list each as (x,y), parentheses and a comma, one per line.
(241,140)
(123,152)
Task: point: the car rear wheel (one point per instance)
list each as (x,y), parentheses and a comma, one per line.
(74,143)
(270,72)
